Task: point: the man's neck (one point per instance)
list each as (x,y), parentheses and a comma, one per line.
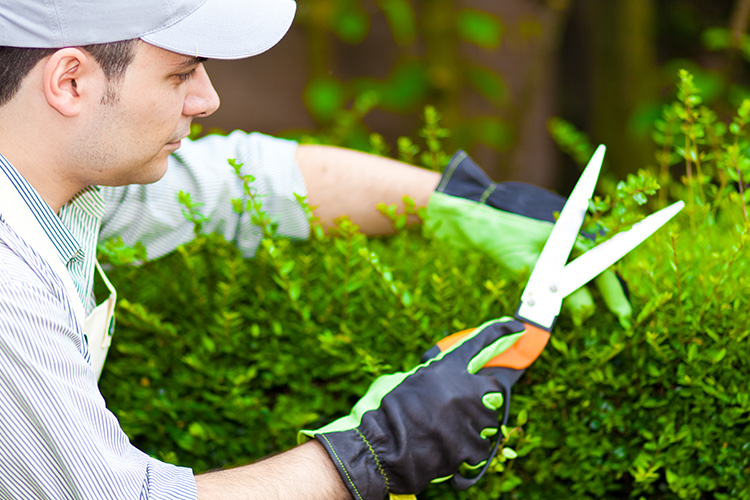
(33,156)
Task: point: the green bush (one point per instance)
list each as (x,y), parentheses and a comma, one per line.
(220,360)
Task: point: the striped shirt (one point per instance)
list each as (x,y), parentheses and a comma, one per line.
(57,438)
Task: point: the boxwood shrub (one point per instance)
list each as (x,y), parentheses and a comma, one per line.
(219,360)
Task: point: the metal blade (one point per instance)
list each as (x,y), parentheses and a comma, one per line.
(565,231)
(539,303)
(592,263)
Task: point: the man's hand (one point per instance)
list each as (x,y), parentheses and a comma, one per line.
(511,222)
(414,427)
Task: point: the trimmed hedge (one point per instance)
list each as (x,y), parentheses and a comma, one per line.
(220,360)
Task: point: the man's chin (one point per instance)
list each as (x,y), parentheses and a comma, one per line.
(146,175)
(153,176)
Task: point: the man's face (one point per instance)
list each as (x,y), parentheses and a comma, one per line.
(128,140)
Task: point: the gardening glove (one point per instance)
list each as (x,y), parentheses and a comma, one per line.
(511,221)
(414,427)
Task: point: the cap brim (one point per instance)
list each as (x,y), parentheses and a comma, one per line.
(227,29)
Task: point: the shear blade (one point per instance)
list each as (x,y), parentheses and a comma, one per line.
(552,280)
(565,231)
(595,261)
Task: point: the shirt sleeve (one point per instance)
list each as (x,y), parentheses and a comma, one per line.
(152,214)
(58,440)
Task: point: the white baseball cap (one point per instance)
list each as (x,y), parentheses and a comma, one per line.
(216,29)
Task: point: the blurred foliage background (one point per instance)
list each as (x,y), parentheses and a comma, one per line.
(497,71)
(656,410)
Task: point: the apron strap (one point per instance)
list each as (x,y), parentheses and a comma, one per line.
(17,214)
(98,327)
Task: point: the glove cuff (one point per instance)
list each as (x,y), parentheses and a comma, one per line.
(357,463)
(465,179)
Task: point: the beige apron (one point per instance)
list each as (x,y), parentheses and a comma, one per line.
(98,327)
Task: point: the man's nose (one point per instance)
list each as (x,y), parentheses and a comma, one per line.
(202,100)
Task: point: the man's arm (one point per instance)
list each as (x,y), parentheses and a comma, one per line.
(346,182)
(336,180)
(304,473)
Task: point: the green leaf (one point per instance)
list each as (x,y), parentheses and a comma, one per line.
(401,19)
(692,352)
(716,38)
(480,28)
(403,90)
(505,430)
(209,344)
(523,417)
(197,430)
(559,344)
(324,97)
(719,355)
(488,83)
(351,24)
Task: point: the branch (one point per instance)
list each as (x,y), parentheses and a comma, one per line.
(739,22)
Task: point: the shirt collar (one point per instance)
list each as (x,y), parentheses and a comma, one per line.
(60,236)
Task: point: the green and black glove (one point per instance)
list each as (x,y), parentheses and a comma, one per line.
(414,427)
(511,221)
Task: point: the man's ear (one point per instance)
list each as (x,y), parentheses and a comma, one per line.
(69,77)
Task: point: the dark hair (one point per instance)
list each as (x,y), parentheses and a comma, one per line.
(17,62)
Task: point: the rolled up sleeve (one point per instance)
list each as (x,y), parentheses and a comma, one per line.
(152,215)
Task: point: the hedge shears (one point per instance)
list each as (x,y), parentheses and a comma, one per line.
(552,279)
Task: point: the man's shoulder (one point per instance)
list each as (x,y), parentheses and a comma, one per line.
(19,263)
(33,306)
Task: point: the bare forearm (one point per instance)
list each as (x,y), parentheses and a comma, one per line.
(304,473)
(345,182)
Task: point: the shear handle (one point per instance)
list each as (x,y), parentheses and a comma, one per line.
(518,356)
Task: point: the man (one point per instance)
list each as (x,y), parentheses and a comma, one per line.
(101,94)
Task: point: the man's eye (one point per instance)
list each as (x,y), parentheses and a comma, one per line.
(183,77)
